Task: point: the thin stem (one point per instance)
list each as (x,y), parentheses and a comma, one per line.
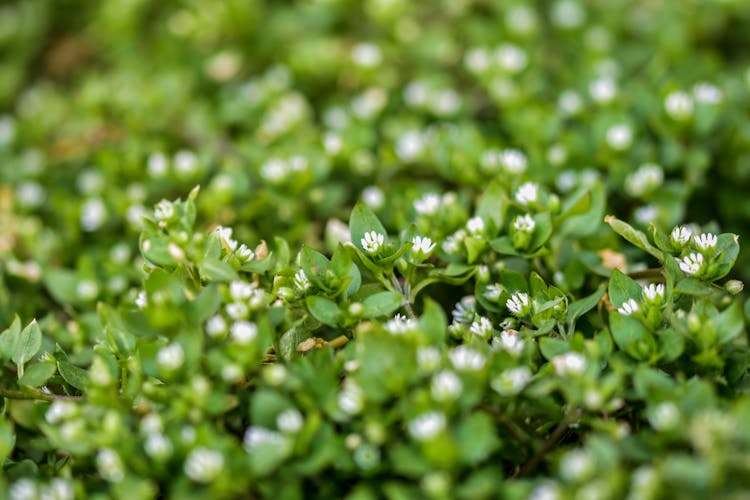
(400,289)
(35,394)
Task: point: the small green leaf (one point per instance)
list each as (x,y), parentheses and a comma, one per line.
(29,343)
(37,374)
(205,304)
(623,288)
(729,323)
(381,304)
(433,321)
(551,347)
(634,236)
(314,264)
(7,438)
(75,376)
(9,339)
(324,310)
(692,286)
(581,306)
(671,344)
(631,336)
(217,270)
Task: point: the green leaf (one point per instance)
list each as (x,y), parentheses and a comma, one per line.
(205,304)
(623,288)
(581,306)
(631,336)
(492,205)
(551,347)
(381,304)
(7,438)
(62,284)
(476,438)
(650,383)
(634,236)
(324,310)
(474,248)
(433,321)
(29,343)
(75,376)
(542,231)
(314,264)
(694,287)
(9,339)
(217,270)
(671,344)
(729,324)
(363,220)
(575,223)
(37,374)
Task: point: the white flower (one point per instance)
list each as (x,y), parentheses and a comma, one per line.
(524,224)
(410,145)
(475,225)
(465,309)
(445,102)
(58,489)
(653,292)
(240,290)
(646,179)
(681,235)
(494,291)
(569,102)
(576,465)
(332,143)
(445,386)
(225,235)
(203,465)
(274,170)
(423,246)
(373,197)
(509,341)
(427,425)
(428,204)
(477,60)
(237,310)
(170,357)
(679,105)
(289,421)
(244,332)
(93,214)
(520,18)
(185,162)
(511,381)
(157,445)
(30,194)
(570,363)
(367,55)
(244,253)
(109,465)
(567,14)
(451,243)
(705,241)
(157,165)
(301,281)
(60,410)
(511,57)
(216,326)
(629,307)
(619,136)
(87,290)
(691,264)
(518,303)
(351,399)
(527,193)
(151,424)
(481,327)
(400,324)
(466,359)
(603,90)
(164,210)
(707,93)
(665,416)
(23,489)
(372,242)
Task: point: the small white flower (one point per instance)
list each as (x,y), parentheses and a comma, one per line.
(157,445)
(423,246)
(569,102)
(428,204)
(203,465)
(400,324)
(679,105)
(427,425)
(170,357)
(332,143)
(185,162)
(524,224)
(87,290)
(289,421)
(576,465)
(465,309)
(570,363)
(301,281)
(451,243)
(681,235)
(527,194)
(707,93)
(691,264)
(512,381)
(567,14)
(511,57)
(216,326)
(620,136)
(477,60)
(60,410)
(367,55)
(466,359)
(428,358)
(653,292)
(109,465)
(58,489)
(30,194)
(646,179)
(705,241)
(164,210)
(351,399)
(225,235)
(519,304)
(157,165)
(445,386)
(494,291)
(244,332)
(410,145)
(475,225)
(372,242)
(481,327)
(373,197)
(93,214)
(240,290)
(445,102)
(237,310)
(23,489)
(603,90)
(665,416)
(151,423)
(274,170)
(510,342)
(629,307)
(244,253)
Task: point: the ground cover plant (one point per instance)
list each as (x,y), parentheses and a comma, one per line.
(380,249)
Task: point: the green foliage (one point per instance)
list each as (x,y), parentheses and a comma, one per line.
(397,278)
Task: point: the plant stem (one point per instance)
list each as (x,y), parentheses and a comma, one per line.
(35,394)
(400,289)
(549,444)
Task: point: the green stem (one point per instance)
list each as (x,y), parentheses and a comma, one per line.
(35,394)
(400,289)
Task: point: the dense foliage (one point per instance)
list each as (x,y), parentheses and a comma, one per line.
(379,249)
